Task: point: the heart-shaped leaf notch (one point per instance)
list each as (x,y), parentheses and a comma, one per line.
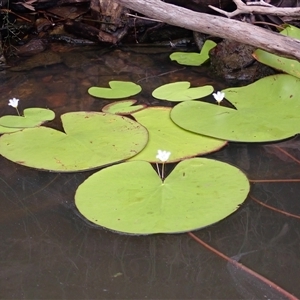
(131,198)
(124,107)
(32,117)
(192,58)
(163,132)
(181,91)
(91,140)
(266,110)
(117,90)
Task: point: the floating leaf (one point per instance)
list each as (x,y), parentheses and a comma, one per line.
(164,134)
(32,117)
(131,198)
(8,129)
(124,107)
(181,91)
(91,140)
(117,90)
(267,110)
(287,65)
(192,58)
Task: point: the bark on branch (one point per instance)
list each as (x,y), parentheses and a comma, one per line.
(217,26)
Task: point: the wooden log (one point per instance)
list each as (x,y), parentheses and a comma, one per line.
(217,26)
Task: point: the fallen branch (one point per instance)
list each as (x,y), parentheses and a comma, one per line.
(261,9)
(217,26)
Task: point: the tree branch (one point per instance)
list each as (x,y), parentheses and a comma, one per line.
(217,26)
(262,9)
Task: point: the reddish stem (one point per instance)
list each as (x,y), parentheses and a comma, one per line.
(289,155)
(244,268)
(275,209)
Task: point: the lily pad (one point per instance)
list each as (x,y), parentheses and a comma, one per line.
(165,134)
(192,58)
(117,90)
(267,110)
(181,91)
(287,65)
(91,140)
(131,198)
(8,129)
(124,107)
(32,117)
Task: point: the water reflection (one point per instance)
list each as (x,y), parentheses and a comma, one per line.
(49,252)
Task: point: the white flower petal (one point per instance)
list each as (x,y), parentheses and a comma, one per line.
(13,102)
(163,155)
(219,96)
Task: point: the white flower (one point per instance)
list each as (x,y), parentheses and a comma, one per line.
(13,102)
(219,96)
(163,155)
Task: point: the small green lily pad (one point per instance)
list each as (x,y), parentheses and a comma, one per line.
(181,91)
(32,117)
(165,134)
(131,198)
(266,110)
(117,90)
(91,140)
(124,107)
(192,58)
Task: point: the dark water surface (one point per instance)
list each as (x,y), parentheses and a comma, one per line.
(47,251)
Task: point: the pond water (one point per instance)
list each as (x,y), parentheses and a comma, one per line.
(47,250)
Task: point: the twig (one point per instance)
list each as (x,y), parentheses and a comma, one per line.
(217,26)
(258,8)
(260,3)
(13,13)
(143,18)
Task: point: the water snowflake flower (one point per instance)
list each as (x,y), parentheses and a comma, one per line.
(13,102)
(163,155)
(219,96)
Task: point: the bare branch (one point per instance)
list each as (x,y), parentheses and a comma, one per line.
(261,8)
(217,26)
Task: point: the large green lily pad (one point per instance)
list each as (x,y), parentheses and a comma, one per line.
(267,110)
(287,65)
(181,91)
(192,58)
(165,134)
(117,90)
(32,117)
(91,140)
(131,198)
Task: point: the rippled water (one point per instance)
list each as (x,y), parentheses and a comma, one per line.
(47,251)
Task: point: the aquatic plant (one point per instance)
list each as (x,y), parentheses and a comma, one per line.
(181,91)
(219,96)
(266,110)
(116,90)
(192,58)
(131,198)
(14,103)
(163,156)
